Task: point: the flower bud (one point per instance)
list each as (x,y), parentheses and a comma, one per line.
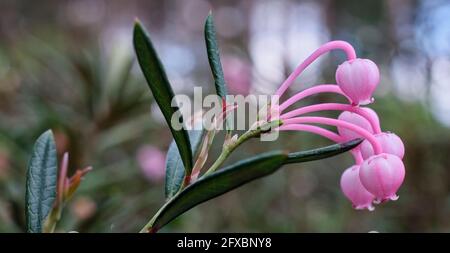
(358,120)
(390,143)
(382,175)
(358,79)
(353,189)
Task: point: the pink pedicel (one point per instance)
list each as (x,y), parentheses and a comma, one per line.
(358,79)
(382,175)
(366,114)
(357,156)
(390,143)
(373,117)
(353,189)
(320,88)
(313,129)
(325,48)
(337,123)
(356,119)
(372,124)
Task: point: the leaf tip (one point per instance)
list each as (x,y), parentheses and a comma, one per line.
(46,136)
(137,26)
(352,143)
(48,132)
(209,18)
(137,21)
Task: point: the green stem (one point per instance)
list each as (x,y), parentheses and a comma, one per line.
(52,220)
(226,151)
(148,227)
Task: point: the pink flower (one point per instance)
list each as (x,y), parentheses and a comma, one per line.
(382,175)
(355,119)
(358,79)
(353,189)
(390,144)
(152,162)
(378,177)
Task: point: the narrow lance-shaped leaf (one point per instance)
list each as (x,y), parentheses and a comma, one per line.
(212,49)
(159,85)
(235,175)
(217,184)
(321,153)
(41,182)
(174,166)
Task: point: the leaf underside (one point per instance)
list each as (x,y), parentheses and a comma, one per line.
(41,182)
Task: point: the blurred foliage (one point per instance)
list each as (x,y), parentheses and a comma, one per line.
(61,68)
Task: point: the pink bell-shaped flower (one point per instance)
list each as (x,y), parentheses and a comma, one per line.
(358,120)
(353,189)
(358,79)
(390,142)
(382,175)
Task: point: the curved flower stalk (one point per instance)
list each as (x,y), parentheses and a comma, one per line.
(375,177)
(378,171)
(321,88)
(373,122)
(327,47)
(370,121)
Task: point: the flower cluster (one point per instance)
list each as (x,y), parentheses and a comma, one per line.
(378,171)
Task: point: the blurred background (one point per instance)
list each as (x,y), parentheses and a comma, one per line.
(70,66)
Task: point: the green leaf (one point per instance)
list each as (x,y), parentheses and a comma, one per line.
(41,182)
(162,92)
(212,49)
(218,183)
(235,175)
(321,153)
(214,58)
(174,166)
